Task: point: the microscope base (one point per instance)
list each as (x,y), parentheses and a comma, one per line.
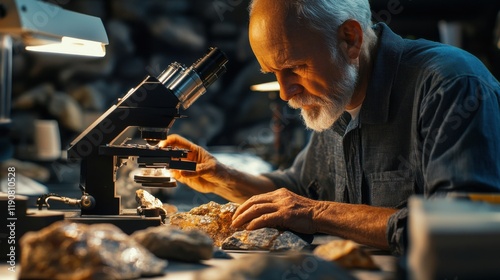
(128,223)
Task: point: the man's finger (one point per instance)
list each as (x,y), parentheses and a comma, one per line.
(175,140)
(256,199)
(253,212)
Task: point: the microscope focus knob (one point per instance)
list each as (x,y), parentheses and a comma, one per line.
(87,202)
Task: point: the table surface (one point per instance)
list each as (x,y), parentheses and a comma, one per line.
(184,271)
(183,198)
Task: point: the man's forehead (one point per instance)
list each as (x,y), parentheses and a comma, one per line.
(275,36)
(273,25)
(274,57)
(274,6)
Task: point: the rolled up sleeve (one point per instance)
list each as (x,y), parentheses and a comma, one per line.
(397,232)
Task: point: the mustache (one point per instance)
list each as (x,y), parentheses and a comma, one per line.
(308,100)
(304,100)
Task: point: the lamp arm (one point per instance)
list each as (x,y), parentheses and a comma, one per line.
(5,78)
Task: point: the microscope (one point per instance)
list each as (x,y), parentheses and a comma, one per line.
(150,108)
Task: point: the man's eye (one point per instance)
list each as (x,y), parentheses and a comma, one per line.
(299,68)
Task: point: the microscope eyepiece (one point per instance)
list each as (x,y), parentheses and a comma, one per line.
(189,84)
(211,66)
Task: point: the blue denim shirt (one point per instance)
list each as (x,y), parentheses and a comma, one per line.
(429,125)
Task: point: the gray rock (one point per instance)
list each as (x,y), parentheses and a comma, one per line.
(288,241)
(260,239)
(264,239)
(168,242)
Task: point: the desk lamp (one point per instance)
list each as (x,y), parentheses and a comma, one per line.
(44,27)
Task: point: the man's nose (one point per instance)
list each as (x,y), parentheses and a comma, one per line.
(288,86)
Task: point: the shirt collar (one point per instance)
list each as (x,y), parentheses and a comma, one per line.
(354,112)
(376,104)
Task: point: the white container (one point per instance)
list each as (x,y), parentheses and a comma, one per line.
(47,140)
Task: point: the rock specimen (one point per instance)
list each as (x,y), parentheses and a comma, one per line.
(151,206)
(68,251)
(147,200)
(346,253)
(264,239)
(212,218)
(169,242)
(273,266)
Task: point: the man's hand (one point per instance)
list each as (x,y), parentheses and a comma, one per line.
(278,209)
(286,210)
(206,177)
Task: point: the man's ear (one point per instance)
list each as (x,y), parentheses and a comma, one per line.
(350,37)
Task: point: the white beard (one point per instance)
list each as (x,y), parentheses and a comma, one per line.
(325,110)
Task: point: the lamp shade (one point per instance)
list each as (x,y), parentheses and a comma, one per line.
(46,27)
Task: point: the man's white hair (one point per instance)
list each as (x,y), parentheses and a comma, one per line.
(326,16)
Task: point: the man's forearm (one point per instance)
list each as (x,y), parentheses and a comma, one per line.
(238,186)
(361,223)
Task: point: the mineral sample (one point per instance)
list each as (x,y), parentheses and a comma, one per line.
(147,200)
(68,251)
(288,241)
(346,253)
(268,239)
(212,218)
(169,242)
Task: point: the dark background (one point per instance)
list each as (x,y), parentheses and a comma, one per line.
(154,33)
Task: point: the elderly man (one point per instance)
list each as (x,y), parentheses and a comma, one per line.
(391,118)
